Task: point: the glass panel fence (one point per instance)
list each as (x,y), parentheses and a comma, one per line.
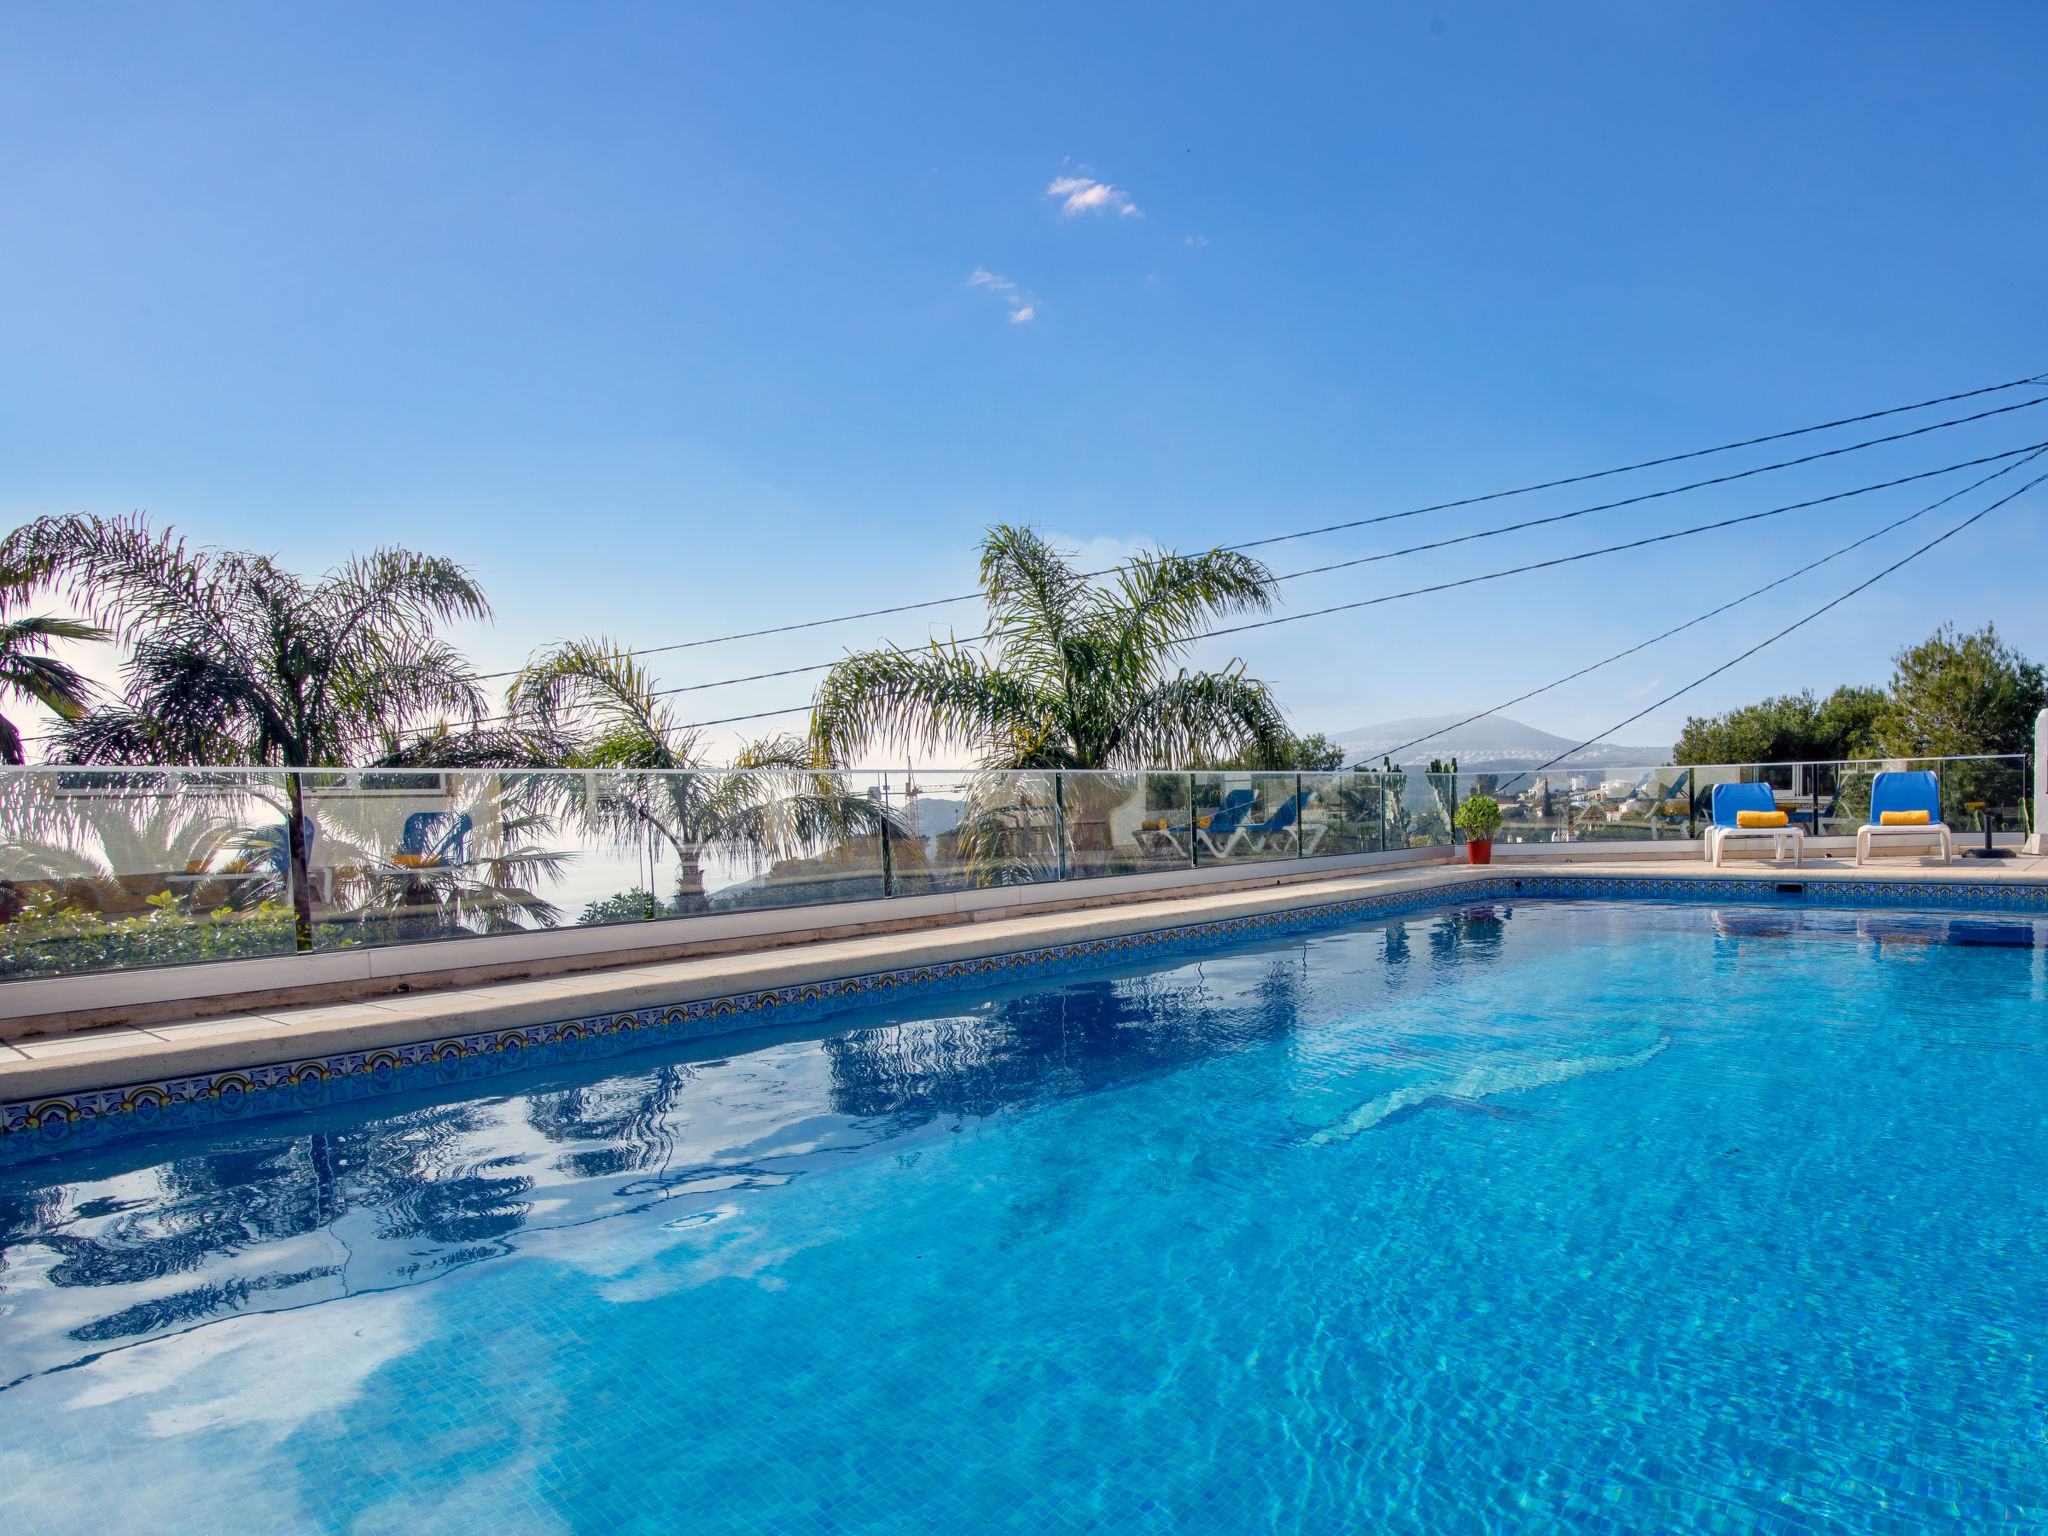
(106,868)
(1342,813)
(1127,823)
(950,833)
(102,869)
(1246,818)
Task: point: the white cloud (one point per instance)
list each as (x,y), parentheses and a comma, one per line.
(1022,305)
(1198,241)
(1084,194)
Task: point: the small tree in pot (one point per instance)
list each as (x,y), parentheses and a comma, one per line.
(1479,816)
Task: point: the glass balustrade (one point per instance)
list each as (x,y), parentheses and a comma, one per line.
(111,868)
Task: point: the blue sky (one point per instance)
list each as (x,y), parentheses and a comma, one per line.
(666,320)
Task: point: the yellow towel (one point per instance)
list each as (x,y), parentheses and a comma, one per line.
(1903,819)
(1761,819)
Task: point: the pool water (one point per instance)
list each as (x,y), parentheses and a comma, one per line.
(1572,1217)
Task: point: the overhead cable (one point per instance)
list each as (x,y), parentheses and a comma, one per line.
(1484,533)
(2032,450)
(1522,490)
(1716,612)
(1629,501)
(1676,458)
(1444,586)
(1796,624)
(1657,538)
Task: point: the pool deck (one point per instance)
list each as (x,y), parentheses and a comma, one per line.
(97,1058)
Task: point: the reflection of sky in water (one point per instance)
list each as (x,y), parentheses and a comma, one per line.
(237,1321)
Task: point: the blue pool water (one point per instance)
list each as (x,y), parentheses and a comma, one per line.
(1567,1217)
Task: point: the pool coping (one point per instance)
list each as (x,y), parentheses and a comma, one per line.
(105,1085)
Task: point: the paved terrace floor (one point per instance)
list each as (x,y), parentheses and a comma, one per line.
(104,1057)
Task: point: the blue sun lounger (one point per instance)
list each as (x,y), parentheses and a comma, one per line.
(1730,801)
(1225,825)
(1908,792)
(1283,819)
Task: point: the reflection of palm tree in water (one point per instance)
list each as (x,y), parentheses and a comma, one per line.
(626,1118)
(409,1170)
(1077,1040)
(428,1179)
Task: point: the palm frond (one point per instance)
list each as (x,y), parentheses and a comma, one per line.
(116,569)
(1164,601)
(596,689)
(1034,595)
(928,699)
(1195,716)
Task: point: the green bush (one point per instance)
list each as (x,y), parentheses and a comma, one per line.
(635,905)
(49,938)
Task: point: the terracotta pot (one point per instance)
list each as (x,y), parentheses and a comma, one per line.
(1479,850)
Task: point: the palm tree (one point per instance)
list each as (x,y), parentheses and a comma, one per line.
(237,660)
(25,670)
(1077,675)
(592,696)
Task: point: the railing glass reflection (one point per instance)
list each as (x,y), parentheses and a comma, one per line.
(111,868)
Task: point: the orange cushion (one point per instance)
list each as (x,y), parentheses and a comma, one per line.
(1903,819)
(1761,819)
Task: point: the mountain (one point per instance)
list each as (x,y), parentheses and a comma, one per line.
(1490,742)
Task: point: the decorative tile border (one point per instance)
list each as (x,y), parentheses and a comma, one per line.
(38,1127)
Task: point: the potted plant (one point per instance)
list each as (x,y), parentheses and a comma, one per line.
(1479,816)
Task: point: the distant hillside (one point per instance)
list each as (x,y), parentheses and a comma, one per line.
(1492,741)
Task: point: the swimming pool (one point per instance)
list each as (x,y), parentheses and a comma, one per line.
(1532,1216)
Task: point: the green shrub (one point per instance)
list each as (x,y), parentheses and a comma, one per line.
(49,938)
(635,905)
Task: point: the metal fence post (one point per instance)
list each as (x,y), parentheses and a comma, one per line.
(1194,831)
(888,869)
(1059,822)
(1297,818)
(301,877)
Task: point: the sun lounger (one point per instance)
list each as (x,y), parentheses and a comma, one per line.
(1904,795)
(1730,801)
(1223,826)
(1280,823)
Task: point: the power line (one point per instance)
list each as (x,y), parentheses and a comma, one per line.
(766,714)
(1676,458)
(1797,624)
(1657,538)
(1629,501)
(1716,612)
(1484,533)
(1797,506)
(2032,450)
(944,602)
